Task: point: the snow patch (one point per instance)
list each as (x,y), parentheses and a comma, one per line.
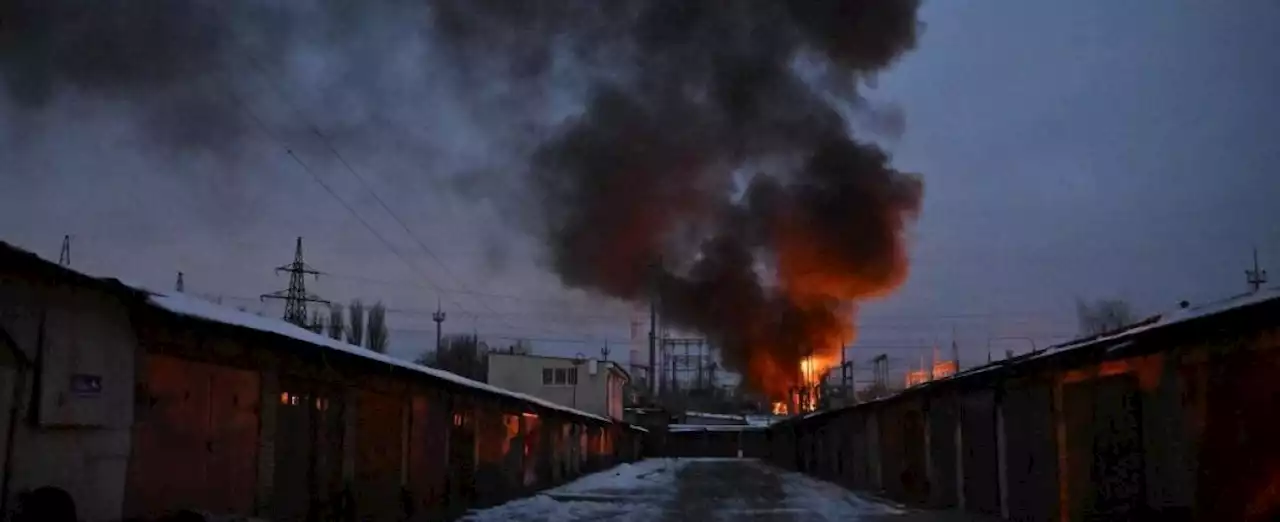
(827,501)
(680,428)
(627,492)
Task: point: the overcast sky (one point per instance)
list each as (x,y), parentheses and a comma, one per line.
(1086,149)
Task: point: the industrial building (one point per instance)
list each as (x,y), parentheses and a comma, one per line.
(591,385)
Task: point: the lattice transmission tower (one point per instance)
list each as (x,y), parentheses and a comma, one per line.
(296,297)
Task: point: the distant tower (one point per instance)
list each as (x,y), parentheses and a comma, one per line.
(438,316)
(64,257)
(296,296)
(179,286)
(1256,277)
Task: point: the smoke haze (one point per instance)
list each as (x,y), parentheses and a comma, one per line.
(709,139)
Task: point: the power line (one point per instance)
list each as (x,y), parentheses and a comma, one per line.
(266,131)
(496,295)
(566,315)
(361,179)
(253,62)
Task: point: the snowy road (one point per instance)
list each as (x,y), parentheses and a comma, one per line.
(704,490)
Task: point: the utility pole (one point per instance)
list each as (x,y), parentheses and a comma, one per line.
(179,286)
(653,329)
(701,363)
(296,297)
(881,382)
(578,359)
(1256,277)
(438,316)
(64,256)
(955,349)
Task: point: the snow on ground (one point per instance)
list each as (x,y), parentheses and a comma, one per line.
(627,492)
(699,489)
(828,501)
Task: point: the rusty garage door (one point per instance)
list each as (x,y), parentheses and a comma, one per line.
(462,454)
(1032,453)
(942,451)
(1239,454)
(1104,448)
(195,439)
(379,429)
(308,450)
(981,485)
(428,440)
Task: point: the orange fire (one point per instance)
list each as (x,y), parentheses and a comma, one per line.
(779,408)
(822,281)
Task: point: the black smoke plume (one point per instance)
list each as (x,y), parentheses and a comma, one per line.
(714,146)
(708,138)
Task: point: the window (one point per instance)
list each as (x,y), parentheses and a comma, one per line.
(560,377)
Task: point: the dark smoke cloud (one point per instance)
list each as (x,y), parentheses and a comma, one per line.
(684,98)
(181,70)
(710,138)
(154,55)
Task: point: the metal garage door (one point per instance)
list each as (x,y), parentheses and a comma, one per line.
(379,428)
(942,452)
(428,440)
(1104,448)
(978,438)
(308,450)
(195,439)
(1032,454)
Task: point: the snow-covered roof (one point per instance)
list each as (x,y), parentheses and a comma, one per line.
(705,415)
(763,420)
(200,309)
(1166,319)
(1114,341)
(682,428)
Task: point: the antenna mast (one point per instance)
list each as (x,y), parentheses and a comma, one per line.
(1256,277)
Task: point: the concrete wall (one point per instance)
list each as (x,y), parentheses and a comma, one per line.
(76,438)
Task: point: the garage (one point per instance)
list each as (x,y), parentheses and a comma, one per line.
(182,458)
(11,367)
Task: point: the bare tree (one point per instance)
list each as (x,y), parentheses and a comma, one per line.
(355,323)
(377,328)
(337,324)
(316,324)
(462,355)
(1103,315)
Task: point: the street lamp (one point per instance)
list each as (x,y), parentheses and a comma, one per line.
(578,359)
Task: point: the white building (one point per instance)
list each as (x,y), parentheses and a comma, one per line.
(590,385)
